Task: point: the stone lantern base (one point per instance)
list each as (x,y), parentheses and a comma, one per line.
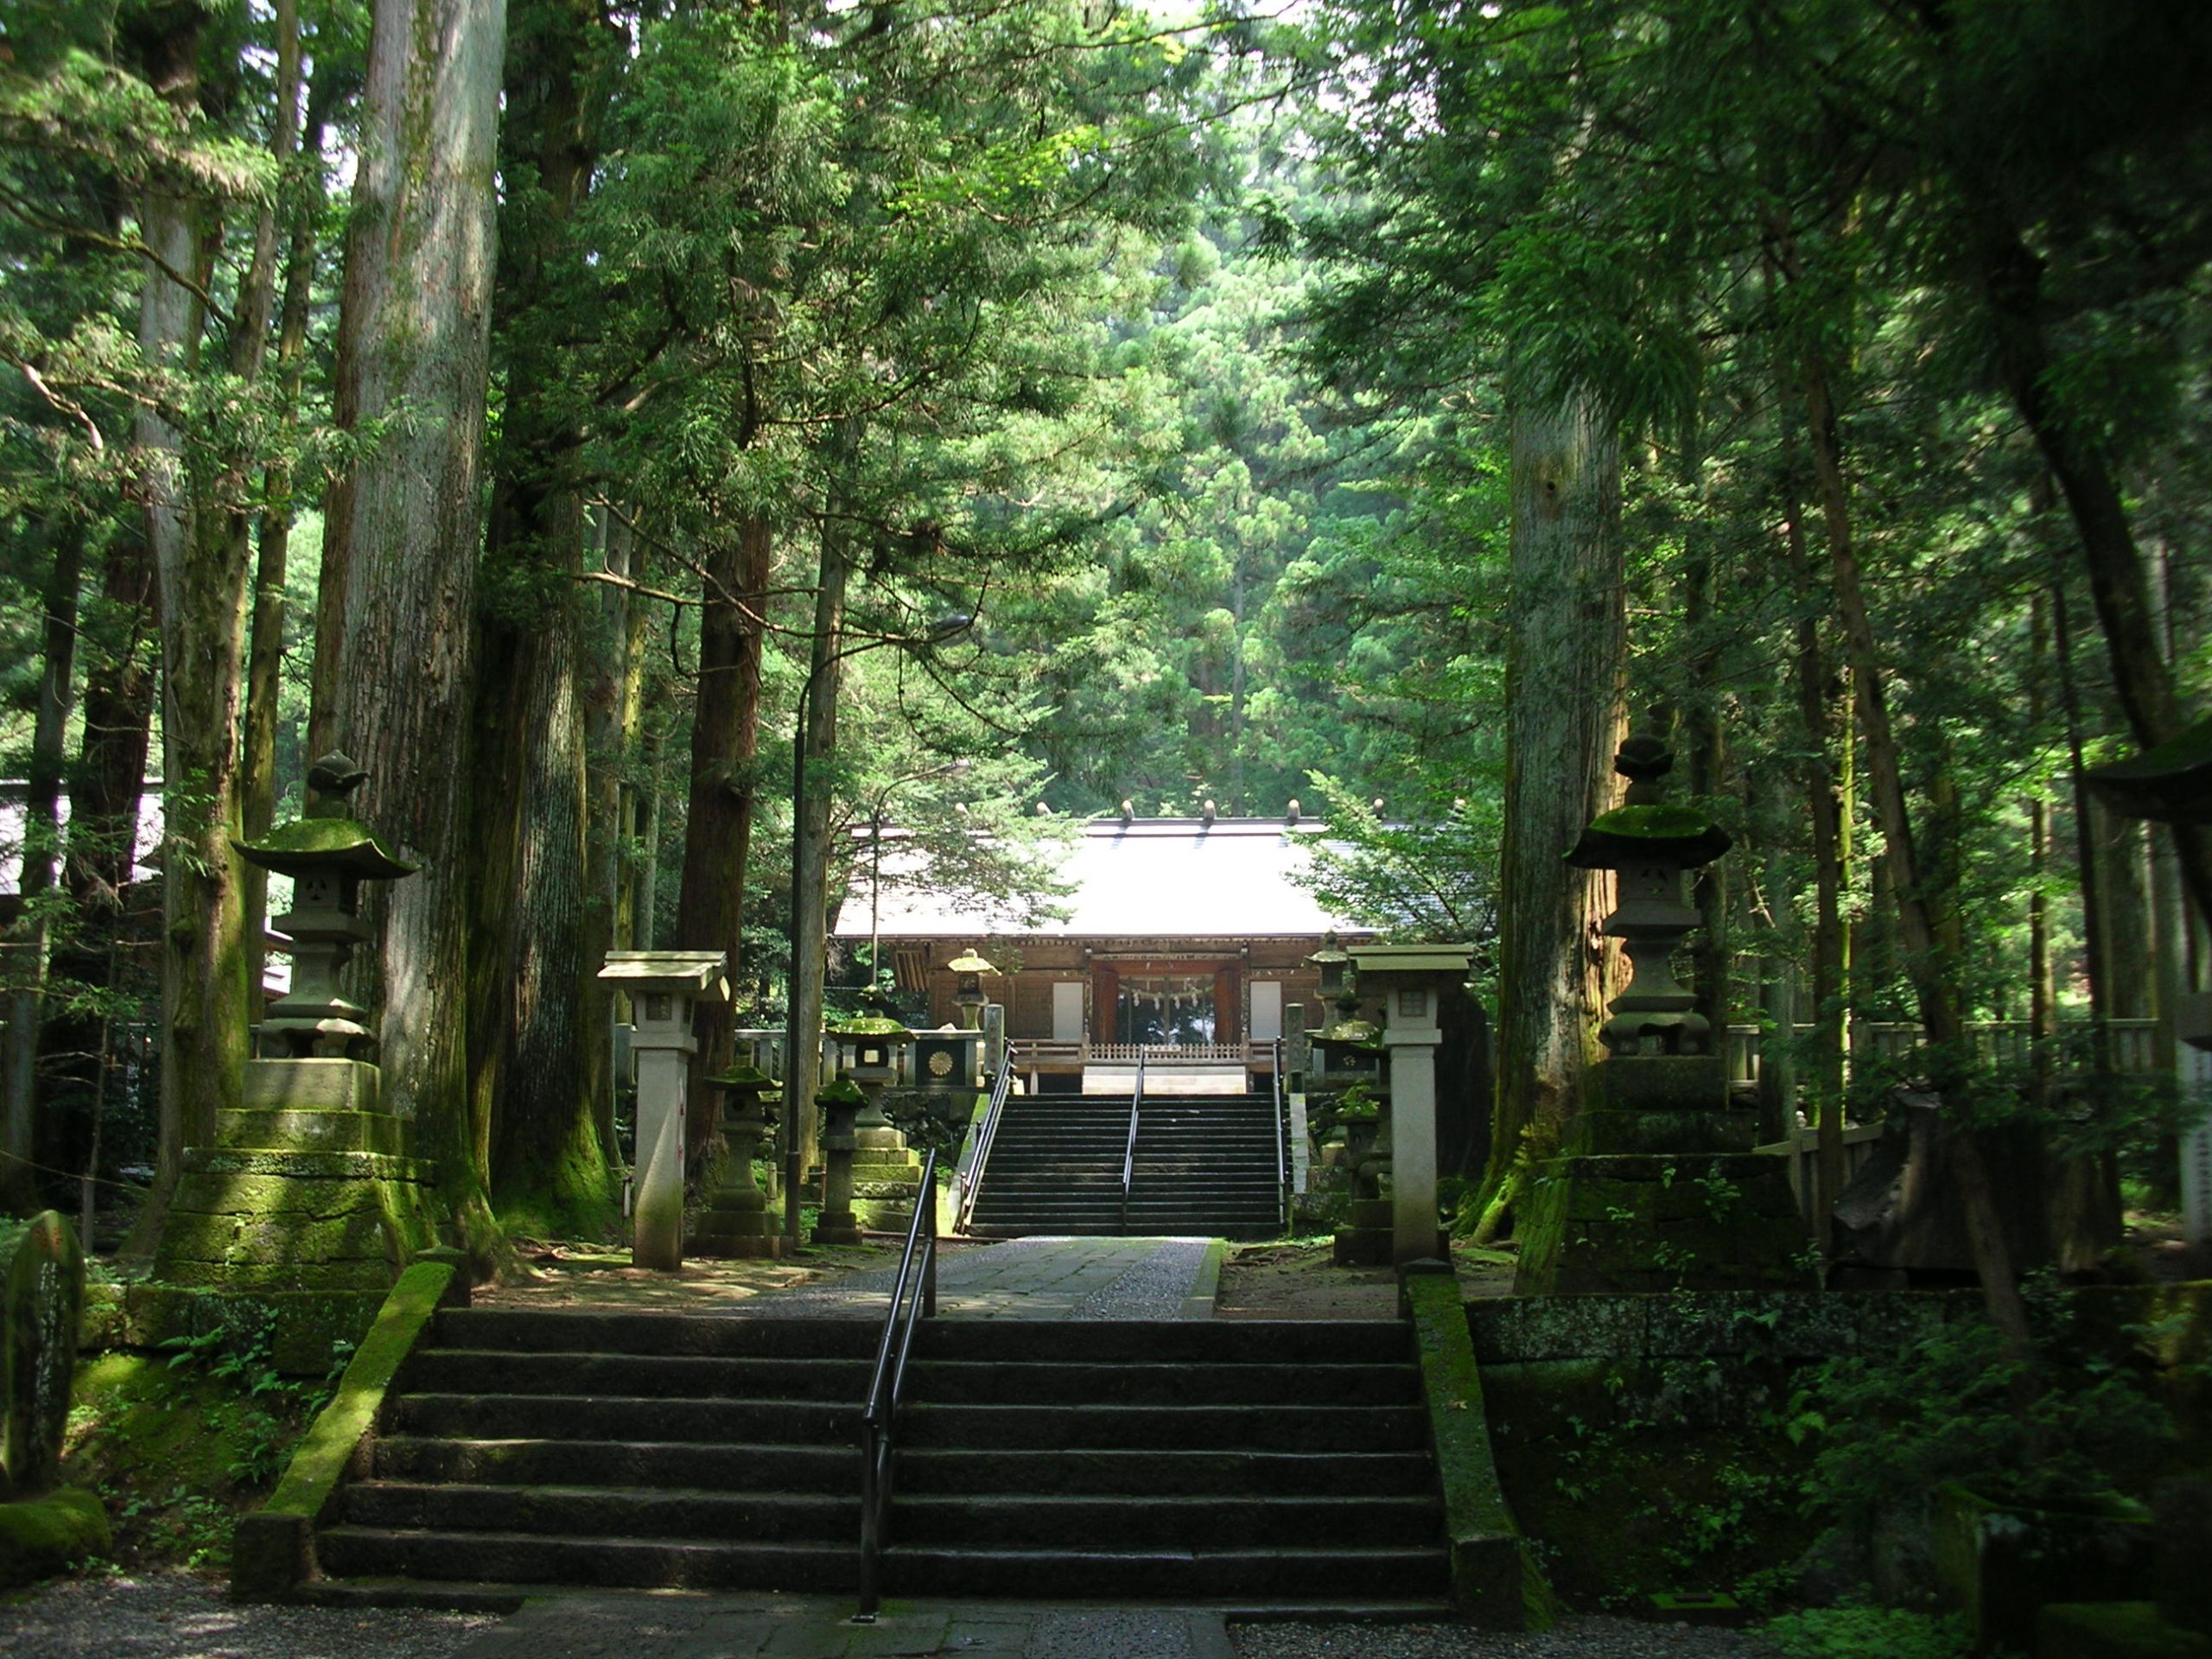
(1655,1189)
(737,1225)
(887,1181)
(304,1198)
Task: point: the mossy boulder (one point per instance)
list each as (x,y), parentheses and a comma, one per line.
(42,1536)
(41,1307)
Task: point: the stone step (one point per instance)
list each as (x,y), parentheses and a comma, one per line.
(1276,1429)
(943,1382)
(557,1416)
(634,1512)
(596,1559)
(533,1331)
(1154,1575)
(729,1466)
(1254,1342)
(485,1371)
(1323,1476)
(1151,1520)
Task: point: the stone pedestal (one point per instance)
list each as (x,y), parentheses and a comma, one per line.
(887,1175)
(305,1190)
(663,987)
(1653,1191)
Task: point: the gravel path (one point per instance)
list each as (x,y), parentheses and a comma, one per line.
(180,1616)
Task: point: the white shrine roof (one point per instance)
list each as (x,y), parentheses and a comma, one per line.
(1148,877)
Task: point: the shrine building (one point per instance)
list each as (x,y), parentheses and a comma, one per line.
(1184,938)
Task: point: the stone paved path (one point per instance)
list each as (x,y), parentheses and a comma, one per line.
(787,1627)
(1032,1279)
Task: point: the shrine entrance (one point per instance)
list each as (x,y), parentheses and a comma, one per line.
(1189,1005)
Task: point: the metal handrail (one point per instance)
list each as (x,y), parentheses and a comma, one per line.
(1282,1138)
(1002,1087)
(1129,1152)
(878,1417)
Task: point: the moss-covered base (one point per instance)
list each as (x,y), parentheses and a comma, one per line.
(304,1328)
(1652,1221)
(42,1536)
(2114,1630)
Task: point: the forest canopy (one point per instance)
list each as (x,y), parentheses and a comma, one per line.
(658,443)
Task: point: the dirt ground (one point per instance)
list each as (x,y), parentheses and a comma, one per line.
(1296,1280)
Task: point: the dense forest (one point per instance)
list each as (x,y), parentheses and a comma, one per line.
(574,412)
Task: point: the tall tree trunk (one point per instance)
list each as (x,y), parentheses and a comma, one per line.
(303,205)
(118,636)
(1706,740)
(725,746)
(1816,712)
(810,806)
(395,627)
(2009,275)
(1927,936)
(202,622)
(537,1010)
(36,888)
(1565,651)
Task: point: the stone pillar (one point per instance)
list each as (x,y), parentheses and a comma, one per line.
(41,1298)
(1412,982)
(2193,1057)
(662,986)
(994,1037)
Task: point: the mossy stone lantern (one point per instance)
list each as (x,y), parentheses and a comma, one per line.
(967,969)
(869,1045)
(1651,845)
(736,1223)
(840,1104)
(328,855)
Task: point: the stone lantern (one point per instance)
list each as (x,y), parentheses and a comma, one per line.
(1412,982)
(664,986)
(305,1200)
(969,968)
(839,1102)
(736,1223)
(1656,1186)
(883,1173)
(328,855)
(1651,845)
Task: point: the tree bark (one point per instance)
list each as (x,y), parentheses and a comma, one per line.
(1926,935)
(818,737)
(537,1010)
(1565,650)
(303,204)
(36,887)
(396,612)
(725,747)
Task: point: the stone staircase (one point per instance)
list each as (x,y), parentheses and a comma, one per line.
(1244,1464)
(1205,1165)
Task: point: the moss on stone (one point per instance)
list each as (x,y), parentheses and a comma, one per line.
(344,843)
(2114,1630)
(1494,1580)
(42,1536)
(274,1546)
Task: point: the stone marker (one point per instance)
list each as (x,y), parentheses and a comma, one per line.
(41,1298)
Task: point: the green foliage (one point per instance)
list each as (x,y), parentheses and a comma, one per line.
(1887,1430)
(1852,1631)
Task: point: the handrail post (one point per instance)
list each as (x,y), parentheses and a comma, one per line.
(1129,1151)
(929,1265)
(1282,1138)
